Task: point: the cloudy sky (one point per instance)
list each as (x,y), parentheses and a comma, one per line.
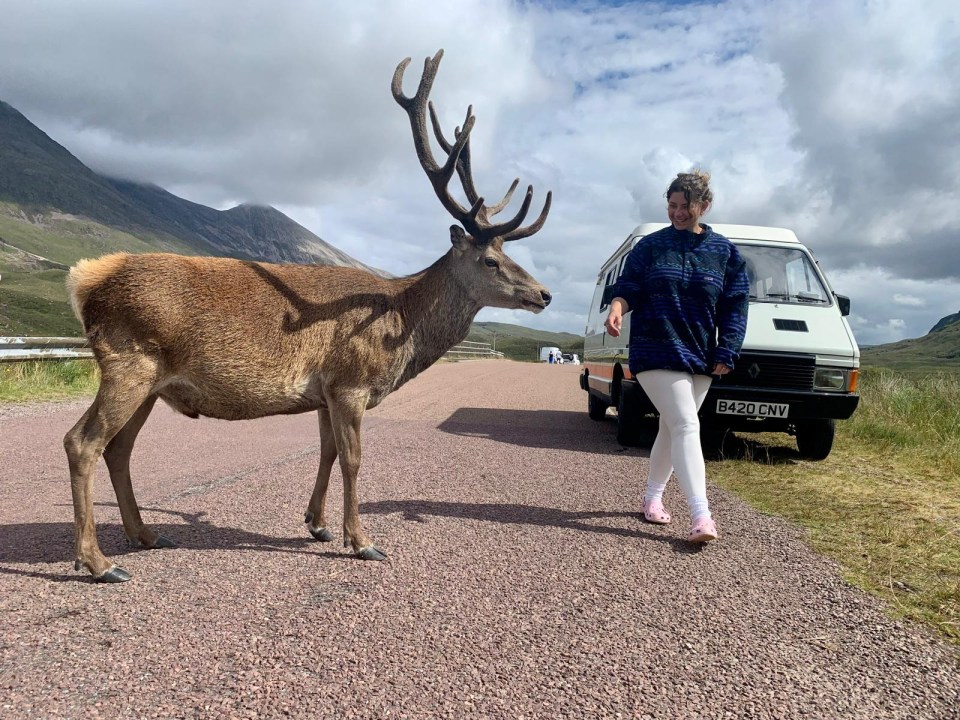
(837,118)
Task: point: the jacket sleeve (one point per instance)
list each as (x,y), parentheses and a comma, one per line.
(630,283)
(732,310)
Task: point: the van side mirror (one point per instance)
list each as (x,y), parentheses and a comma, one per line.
(608,295)
(844,303)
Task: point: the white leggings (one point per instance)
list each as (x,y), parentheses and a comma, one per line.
(677,396)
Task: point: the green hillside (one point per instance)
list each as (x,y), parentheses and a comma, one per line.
(519,343)
(35,251)
(937,350)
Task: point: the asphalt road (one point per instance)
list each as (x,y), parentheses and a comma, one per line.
(521,582)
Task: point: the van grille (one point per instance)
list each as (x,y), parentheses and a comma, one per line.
(783,372)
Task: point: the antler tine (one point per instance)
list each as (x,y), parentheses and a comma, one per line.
(494,209)
(536,225)
(464,168)
(414,105)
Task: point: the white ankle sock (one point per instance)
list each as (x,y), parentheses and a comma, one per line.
(699,508)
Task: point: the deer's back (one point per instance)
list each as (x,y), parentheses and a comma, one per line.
(231,328)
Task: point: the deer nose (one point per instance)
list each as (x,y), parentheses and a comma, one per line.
(547,297)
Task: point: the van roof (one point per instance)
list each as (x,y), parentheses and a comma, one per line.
(734,232)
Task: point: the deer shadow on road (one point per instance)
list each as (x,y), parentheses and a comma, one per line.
(42,543)
(590,521)
(45,543)
(544,429)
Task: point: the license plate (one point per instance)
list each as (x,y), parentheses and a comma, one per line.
(752,409)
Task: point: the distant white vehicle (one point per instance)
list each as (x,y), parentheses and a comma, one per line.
(571,358)
(547,352)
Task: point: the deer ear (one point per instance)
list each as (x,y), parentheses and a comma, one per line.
(459,238)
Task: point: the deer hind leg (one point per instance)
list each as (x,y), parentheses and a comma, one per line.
(117,457)
(124,386)
(316,516)
(346,415)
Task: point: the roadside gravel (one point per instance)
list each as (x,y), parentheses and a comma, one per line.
(521,581)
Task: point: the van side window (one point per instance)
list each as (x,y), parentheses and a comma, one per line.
(613,274)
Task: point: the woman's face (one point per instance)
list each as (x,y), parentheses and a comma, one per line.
(683,214)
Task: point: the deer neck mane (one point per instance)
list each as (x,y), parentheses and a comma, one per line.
(437,310)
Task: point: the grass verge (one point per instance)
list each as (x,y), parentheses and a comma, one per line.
(51,380)
(886,504)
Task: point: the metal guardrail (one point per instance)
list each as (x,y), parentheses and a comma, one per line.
(20,349)
(468,350)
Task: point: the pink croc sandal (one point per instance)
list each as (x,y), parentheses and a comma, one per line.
(654,512)
(703,530)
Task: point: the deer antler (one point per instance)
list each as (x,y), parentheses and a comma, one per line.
(476,219)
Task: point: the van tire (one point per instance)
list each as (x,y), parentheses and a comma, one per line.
(815,438)
(596,408)
(628,434)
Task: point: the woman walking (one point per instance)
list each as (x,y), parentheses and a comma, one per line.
(688,289)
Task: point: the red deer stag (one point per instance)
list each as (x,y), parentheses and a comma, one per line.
(234,340)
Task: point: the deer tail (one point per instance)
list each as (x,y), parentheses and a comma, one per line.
(87,275)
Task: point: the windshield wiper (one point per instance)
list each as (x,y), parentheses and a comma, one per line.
(801,297)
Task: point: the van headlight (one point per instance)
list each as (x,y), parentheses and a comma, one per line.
(834,379)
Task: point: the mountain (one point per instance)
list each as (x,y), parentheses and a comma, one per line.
(40,175)
(944,321)
(54,210)
(939,349)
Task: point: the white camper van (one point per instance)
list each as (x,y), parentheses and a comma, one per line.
(799,365)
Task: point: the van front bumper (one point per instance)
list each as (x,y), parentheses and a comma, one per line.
(803,405)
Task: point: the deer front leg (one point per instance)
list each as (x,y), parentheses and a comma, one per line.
(346,415)
(316,516)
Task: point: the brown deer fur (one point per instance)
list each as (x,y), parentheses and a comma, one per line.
(234,340)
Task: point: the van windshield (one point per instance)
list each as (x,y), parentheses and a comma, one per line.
(783,275)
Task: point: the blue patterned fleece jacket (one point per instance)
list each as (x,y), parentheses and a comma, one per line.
(689,294)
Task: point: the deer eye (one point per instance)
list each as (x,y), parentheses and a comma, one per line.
(491,263)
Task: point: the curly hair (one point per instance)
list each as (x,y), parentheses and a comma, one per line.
(695,186)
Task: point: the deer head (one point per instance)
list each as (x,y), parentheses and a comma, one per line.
(490,277)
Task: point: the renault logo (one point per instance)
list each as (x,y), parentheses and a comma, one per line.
(754,371)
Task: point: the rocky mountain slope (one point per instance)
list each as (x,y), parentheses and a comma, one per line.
(40,175)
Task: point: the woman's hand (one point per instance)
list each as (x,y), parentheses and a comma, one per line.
(614,321)
(720,369)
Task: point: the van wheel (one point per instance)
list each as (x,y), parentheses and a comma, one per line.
(815,438)
(628,430)
(596,408)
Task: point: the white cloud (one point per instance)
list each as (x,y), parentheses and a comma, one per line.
(827,117)
(908,300)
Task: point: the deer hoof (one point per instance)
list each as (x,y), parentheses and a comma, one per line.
(163,542)
(113,575)
(371,553)
(321,534)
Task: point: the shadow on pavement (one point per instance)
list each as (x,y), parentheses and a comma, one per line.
(549,429)
(570,430)
(509,514)
(44,543)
